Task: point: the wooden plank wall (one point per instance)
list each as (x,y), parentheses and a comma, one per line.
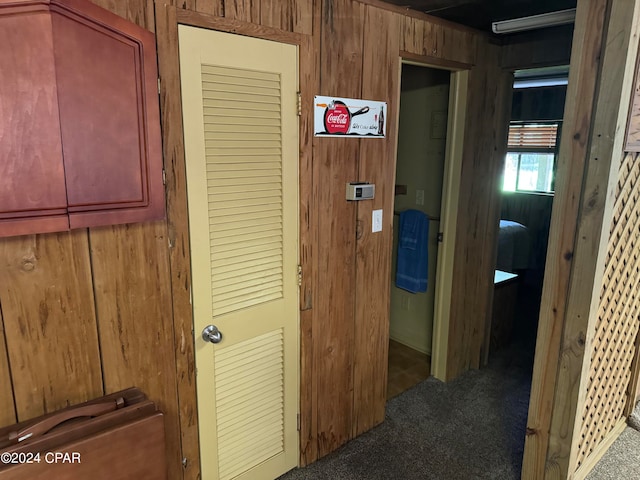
(475,253)
(380,80)
(531,50)
(93,311)
(534,211)
(335,163)
(7,405)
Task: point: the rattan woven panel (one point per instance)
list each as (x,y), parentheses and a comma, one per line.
(617,323)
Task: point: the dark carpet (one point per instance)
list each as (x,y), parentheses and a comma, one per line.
(470,428)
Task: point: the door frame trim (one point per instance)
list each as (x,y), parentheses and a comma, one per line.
(450,198)
(168,17)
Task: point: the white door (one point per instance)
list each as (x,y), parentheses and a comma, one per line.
(241,143)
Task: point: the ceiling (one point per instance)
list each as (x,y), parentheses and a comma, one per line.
(480,13)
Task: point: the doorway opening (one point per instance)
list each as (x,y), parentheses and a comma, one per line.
(527,193)
(425,186)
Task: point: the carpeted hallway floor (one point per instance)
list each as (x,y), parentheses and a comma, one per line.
(470,428)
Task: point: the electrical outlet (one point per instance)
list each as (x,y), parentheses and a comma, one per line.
(376,221)
(405,303)
(419,197)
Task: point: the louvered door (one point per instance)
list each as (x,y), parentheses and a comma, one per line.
(241,143)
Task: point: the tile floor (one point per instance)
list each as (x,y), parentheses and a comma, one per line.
(407,367)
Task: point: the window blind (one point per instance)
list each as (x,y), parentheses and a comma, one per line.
(533,136)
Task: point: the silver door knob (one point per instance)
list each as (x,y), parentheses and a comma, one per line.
(211,334)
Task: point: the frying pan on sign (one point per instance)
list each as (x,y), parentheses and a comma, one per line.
(329,126)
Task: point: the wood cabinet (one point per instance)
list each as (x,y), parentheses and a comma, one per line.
(79,120)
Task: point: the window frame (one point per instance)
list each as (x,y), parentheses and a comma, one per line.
(541,150)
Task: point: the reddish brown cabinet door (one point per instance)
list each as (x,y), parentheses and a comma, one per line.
(108,99)
(32,184)
(79,121)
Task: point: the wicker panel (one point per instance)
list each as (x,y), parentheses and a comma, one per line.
(617,324)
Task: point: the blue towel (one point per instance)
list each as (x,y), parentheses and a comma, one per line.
(413,254)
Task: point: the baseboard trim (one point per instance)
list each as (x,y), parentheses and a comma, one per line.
(408,343)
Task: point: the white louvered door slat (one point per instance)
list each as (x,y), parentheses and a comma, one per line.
(240,123)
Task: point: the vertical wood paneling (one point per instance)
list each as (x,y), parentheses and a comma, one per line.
(309,213)
(288,15)
(336,164)
(530,49)
(585,59)
(534,211)
(412,39)
(245,10)
(478,217)
(459,45)
(7,405)
(433,39)
(420,37)
(139,12)
(303,14)
(49,321)
(133,306)
(277,14)
(178,234)
(381,70)
(212,7)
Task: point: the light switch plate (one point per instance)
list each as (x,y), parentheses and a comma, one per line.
(376,221)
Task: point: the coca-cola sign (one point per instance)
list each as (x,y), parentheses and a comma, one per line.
(352,117)
(337,118)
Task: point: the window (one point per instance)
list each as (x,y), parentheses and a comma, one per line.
(531,158)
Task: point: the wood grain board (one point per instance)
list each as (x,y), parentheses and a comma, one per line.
(632,143)
(178,236)
(7,404)
(531,50)
(381,75)
(134,319)
(478,214)
(336,163)
(49,321)
(435,40)
(309,213)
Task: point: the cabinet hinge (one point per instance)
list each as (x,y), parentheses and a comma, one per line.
(299,104)
(164,177)
(158,85)
(299,275)
(298,421)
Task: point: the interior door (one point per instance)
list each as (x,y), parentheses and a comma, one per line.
(241,143)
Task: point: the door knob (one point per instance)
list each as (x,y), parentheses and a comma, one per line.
(211,334)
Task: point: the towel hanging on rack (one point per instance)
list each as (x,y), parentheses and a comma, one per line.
(412,265)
